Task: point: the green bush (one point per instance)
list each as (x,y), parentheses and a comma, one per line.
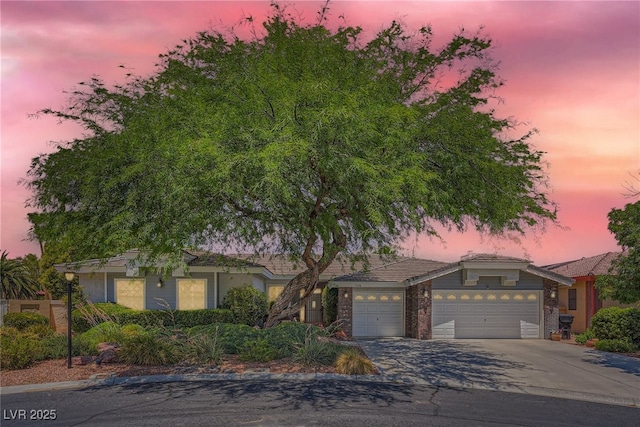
(247,305)
(83,346)
(54,347)
(40,331)
(18,350)
(147,349)
(329,305)
(233,337)
(288,336)
(23,320)
(104,332)
(614,323)
(85,316)
(584,337)
(203,348)
(314,352)
(191,318)
(615,346)
(259,350)
(132,330)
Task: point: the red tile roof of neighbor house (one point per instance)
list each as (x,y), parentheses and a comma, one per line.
(591,266)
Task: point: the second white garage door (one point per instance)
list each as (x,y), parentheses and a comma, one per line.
(378,313)
(486,314)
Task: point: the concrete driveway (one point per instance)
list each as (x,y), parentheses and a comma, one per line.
(539,367)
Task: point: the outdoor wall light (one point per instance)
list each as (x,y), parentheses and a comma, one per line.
(553,294)
(425,292)
(160,283)
(345,294)
(69,275)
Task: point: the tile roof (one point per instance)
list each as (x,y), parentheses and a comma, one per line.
(400,270)
(282,265)
(591,266)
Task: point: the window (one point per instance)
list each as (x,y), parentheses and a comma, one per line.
(130,293)
(192,294)
(573,299)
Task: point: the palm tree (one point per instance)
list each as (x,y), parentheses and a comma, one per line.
(16,279)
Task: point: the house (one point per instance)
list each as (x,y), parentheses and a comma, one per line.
(480,296)
(582,299)
(127,280)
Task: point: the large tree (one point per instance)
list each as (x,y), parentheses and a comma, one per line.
(303,140)
(623,281)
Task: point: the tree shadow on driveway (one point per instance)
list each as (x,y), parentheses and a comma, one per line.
(441,362)
(625,364)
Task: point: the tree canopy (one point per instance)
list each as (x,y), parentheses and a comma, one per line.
(303,140)
(623,282)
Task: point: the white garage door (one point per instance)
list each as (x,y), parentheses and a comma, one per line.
(378,313)
(486,314)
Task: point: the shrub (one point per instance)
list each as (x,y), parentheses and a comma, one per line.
(615,346)
(54,347)
(247,304)
(104,332)
(18,350)
(132,330)
(615,323)
(86,316)
(147,349)
(40,331)
(351,362)
(329,305)
(258,351)
(584,337)
(233,337)
(191,318)
(22,321)
(314,352)
(83,346)
(288,336)
(204,348)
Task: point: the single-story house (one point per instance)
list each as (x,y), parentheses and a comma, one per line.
(480,296)
(582,300)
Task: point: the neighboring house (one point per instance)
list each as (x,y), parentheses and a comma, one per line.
(481,296)
(582,299)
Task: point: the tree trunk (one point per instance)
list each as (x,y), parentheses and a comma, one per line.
(284,307)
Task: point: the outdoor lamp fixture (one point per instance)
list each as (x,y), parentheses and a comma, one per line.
(425,292)
(553,294)
(345,294)
(160,283)
(69,275)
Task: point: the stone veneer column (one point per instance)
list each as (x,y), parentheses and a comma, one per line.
(424,311)
(551,311)
(345,309)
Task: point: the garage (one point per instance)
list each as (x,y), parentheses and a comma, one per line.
(486,314)
(378,313)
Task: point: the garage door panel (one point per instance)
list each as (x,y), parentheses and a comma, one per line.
(378,314)
(486,314)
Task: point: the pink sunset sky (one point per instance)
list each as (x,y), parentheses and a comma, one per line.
(571,71)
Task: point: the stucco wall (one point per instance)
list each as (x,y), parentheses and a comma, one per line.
(454,281)
(93,286)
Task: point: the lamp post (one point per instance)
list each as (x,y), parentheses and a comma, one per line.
(69,275)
